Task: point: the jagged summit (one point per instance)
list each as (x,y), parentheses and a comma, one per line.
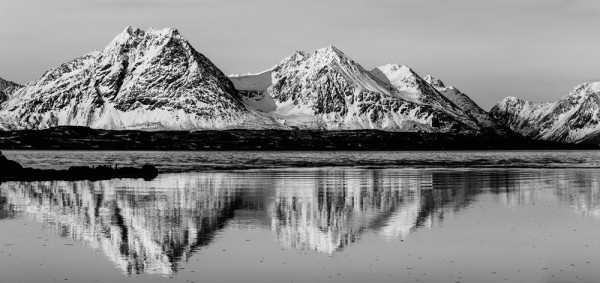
(7,88)
(133,36)
(433,92)
(435,82)
(154,79)
(573,118)
(151,79)
(393,67)
(137,32)
(510,100)
(4,84)
(331,50)
(469,107)
(328,90)
(586,89)
(328,57)
(397,76)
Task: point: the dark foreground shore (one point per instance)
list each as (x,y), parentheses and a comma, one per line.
(66,138)
(12,171)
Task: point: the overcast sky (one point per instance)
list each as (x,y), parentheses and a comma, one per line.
(534,49)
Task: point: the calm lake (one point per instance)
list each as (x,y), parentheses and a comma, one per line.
(307,217)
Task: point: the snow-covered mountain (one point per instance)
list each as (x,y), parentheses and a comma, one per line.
(328,90)
(156,80)
(433,91)
(7,88)
(468,106)
(575,118)
(150,79)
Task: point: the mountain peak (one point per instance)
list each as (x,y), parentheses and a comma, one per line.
(131,34)
(4,84)
(297,56)
(435,82)
(392,67)
(162,32)
(397,76)
(331,51)
(7,88)
(508,102)
(586,88)
(151,79)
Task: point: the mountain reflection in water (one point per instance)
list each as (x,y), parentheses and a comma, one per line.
(154,226)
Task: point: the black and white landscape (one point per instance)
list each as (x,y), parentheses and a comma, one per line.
(155,81)
(299,141)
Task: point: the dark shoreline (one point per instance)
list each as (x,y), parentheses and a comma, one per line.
(11,170)
(82,138)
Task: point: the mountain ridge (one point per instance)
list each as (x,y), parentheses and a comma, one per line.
(150,79)
(7,88)
(575,118)
(294,87)
(155,80)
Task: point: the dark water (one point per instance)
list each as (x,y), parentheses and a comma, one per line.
(306,225)
(195,161)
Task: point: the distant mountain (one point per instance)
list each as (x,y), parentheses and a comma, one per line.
(468,106)
(7,88)
(155,80)
(150,79)
(327,90)
(432,91)
(575,118)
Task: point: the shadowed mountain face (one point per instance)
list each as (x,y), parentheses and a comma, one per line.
(7,88)
(156,226)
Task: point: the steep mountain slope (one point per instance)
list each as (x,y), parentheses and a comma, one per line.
(150,79)
(411,85)
(7,88)
(432,91)
(574,118)
(327,90)
(468,106)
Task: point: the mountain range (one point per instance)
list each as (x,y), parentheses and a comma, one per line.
(155,80)
(326,90)
(572,119)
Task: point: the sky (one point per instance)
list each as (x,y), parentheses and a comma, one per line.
(534,49)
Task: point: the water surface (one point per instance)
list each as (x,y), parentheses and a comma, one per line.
(201,161)
(307,225)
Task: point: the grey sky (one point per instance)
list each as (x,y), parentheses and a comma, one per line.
(534,49)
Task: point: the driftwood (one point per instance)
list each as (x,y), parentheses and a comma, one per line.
(13,171)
